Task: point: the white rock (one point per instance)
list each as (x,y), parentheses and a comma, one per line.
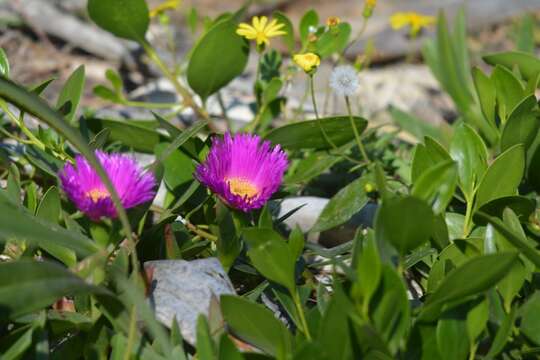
(184,288)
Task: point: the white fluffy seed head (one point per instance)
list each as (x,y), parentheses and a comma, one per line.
(344,80)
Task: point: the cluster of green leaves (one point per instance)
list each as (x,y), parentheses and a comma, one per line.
(447,268)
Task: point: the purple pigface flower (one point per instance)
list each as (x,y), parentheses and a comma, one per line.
(243,170)
(83,186)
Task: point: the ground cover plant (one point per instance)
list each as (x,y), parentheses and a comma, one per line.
(445,266)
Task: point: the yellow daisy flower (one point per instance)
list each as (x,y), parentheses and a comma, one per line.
(369,5)
(308,61)
(260,30)
(415,21)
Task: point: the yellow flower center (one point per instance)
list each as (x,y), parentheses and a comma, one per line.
(97,194)
(242,187)
(333,21)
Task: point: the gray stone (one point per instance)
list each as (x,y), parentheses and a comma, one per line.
(184,289)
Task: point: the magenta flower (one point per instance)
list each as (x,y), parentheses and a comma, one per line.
(243,170)
(83,186)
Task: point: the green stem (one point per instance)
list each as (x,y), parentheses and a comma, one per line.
(224,111)
(20,123)
(180,89)
(149,105)
(468,217)
(356,133)
(319,123)
(301,315)
(131,335)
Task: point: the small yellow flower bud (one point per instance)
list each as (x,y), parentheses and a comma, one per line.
(369,188)
(333,21)
(369,6)
(309,62)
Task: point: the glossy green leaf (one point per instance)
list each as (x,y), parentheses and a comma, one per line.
(111,16)
(451,339)
(18,223)
(19,347)
(271,256)
(511,284)
(437,185)
(368,270)
(205,345)
(510,91)
(426,156)
(342,206)
(521,205)
(419,128)
(487,94)
(333,40)
(469,151)
(4,64)
(130,133)
(530,318)
(515,239)
(256,325)
(71,93)
(288,38)
(473,277)
(405,223)
(502,335)
(503,176)
(477,319)
(390,309)
(227,349)
(37,285)
(309,20)
(308,134)
(528,64)
(50,210)
(522,125)
(219,57)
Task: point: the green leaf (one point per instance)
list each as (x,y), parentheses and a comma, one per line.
(510,91)
(417,127)
(369,262)
(521,205)
(50,210)
(342,206)
(296,242)
(219,57)
(502,335)
(205,345)
(528,64)
(525,34)
(390,308)
(256,325)
(129,132)
(405,223)
(530,252)
(503,176)
(17,350)
(451,339)
(17,223)
(522,125)
(308,134)
(288,38)
(530,318)
(127,19)
(4,64)
(227,350)
(486,94)
(70,96)
(309,20)
(477,318)
(511,284)
(334,40)
(473,277)
(38,284)
(469,151)
(437,185)
(426,156)
(271,256)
